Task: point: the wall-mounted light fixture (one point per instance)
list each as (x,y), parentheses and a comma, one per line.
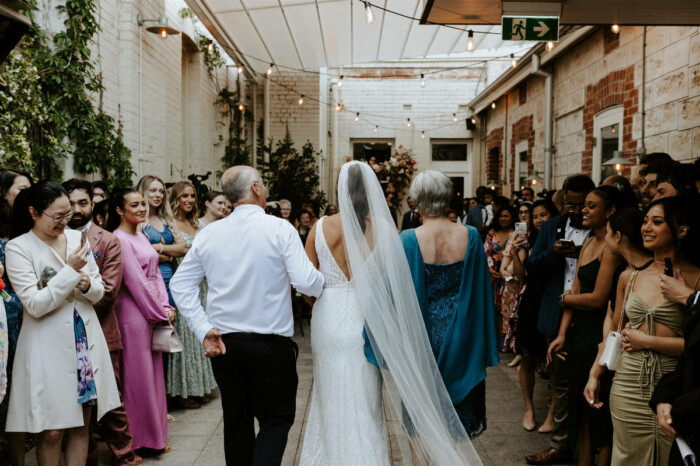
(618,160)
(161,27)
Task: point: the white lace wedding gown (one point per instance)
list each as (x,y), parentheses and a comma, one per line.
(345,424)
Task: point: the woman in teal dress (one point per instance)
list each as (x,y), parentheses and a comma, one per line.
(451,278)
(189,372)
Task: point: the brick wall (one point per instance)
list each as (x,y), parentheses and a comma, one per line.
(494,156)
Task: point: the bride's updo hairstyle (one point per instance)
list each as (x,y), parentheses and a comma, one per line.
(358,195)
(431,191)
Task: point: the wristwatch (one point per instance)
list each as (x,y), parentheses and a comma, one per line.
(692,299)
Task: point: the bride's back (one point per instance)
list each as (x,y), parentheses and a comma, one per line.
(333,233)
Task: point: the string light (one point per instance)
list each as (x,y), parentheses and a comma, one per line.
(408,122)
(210,47)
(241,107)
(422,80)
(269,69)
(493,105)
(369,16)
(340,81)
(301,100)
(550,45)
(422,134)
(470,41)
(376,128)
(454,117)
(357,116)
(240,69)
(337,107)
(513,61)
(615,28)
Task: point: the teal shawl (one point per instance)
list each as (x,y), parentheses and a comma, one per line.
(470,344)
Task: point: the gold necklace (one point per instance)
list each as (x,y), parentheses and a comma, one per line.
(660,262)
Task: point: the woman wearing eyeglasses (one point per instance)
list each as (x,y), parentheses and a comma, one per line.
(61,340)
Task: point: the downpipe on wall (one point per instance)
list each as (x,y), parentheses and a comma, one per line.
(548,116)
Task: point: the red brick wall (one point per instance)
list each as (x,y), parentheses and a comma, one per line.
(494,140)
(617,88)
(522,129)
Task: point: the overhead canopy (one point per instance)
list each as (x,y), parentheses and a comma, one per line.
(309,34)
(572,12)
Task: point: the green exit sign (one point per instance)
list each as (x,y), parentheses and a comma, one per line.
(535,28)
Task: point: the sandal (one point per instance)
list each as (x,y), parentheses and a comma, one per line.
(170,418)
(515,362)
(189,403)
(138,459)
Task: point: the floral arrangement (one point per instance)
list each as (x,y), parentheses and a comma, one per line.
(395,175)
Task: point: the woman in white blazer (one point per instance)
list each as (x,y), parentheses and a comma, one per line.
(62,365)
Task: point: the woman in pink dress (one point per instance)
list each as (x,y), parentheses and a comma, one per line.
(142,303)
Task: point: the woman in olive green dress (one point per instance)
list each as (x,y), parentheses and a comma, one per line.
(190,374)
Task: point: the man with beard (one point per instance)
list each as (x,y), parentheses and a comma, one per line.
(105,247)
(554,258)
(648,182)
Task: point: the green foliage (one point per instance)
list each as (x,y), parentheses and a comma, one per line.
(64,94)
(289,174)
(236,152)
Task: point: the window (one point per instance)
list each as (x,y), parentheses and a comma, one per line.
(365,149)
(520,165)
(522,93)
(448,151)
(606,133)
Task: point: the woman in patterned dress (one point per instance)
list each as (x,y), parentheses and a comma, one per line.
(189,372)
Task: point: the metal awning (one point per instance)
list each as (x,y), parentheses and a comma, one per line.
(311,34)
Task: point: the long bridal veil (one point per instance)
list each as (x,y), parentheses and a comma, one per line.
(394,323)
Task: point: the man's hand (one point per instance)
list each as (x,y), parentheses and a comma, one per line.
(663,413)
(213,344)
(310,300)
(84,283)
(675,289)
(566,251)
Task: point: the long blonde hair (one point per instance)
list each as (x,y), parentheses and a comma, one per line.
(163,211)
(175,192)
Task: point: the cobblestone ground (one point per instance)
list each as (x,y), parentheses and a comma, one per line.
(196,436)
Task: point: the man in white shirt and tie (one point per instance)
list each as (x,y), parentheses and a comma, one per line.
(250,261)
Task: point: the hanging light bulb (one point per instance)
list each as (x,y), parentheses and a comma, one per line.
(241,107)
(301,100)
(493,105)
(337,107)
(210,47)
(422,80)
(513,61)
(376,128)
(269,69)
(357,116)
(550,45)
(340,81)
(240,69)
(470,41)
(615,28)
(473,120)
(163,34)
(369,16)
(454,117)
(422,134)
(408,122)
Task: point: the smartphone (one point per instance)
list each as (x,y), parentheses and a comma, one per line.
(83,238)
(521,227)
(567,243)
(668,267)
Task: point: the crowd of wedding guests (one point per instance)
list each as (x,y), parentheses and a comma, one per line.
(87,302)
(575,267)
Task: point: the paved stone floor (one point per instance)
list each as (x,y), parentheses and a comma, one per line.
(196,436)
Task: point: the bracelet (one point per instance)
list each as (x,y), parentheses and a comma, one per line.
(161,248)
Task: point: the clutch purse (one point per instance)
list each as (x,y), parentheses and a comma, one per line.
(613,343)
(166,340)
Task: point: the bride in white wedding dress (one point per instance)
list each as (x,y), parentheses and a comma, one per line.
(345,424)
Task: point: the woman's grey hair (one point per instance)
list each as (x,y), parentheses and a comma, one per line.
(237,181)
(285,202)
(431,191)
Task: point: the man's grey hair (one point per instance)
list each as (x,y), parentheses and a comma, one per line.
(285,202)
(431,192)
(237,181)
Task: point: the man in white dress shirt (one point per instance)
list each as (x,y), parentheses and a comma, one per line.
(250,261)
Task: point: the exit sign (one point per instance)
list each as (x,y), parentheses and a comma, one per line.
(534,28)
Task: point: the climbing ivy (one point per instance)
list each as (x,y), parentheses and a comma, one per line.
(68,95)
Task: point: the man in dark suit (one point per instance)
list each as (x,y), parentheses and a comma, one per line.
(676,398)
(105,248)
(411,219)
(553,260)
(482,214)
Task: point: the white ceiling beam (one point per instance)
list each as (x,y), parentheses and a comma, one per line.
(410,29)
(432,41)
(381,31)
(252,22)
(323,37)
(296,49)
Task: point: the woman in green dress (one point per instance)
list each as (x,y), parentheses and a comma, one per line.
(190,375)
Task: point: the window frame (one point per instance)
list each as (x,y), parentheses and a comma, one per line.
(608,117)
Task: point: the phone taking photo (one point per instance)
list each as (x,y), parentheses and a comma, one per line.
(668,267)
(567,243)
(521,227)
(83,238)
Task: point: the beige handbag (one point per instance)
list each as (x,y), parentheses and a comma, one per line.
(165,338)
(613,343)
